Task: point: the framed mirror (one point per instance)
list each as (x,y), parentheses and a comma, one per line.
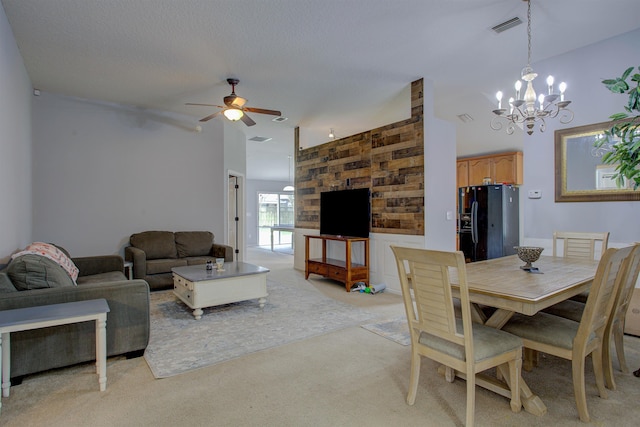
(580,174)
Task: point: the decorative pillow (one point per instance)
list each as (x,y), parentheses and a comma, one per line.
(193,243)
(31,271)
(155,244)
(5,284)
(54,254)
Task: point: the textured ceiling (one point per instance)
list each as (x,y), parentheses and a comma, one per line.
(341,64)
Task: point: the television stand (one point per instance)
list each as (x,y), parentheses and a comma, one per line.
(343,271)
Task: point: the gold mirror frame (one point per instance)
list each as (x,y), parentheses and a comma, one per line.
(562,138)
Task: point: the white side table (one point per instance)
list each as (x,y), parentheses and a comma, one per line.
(128,269)
(23,319)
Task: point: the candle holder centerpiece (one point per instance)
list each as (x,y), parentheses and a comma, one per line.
(528,254)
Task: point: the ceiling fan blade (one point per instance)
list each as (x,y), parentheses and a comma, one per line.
(204,105)
(209,117)
(247,120)
(263,111)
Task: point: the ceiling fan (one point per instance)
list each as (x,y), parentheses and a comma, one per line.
(234,108)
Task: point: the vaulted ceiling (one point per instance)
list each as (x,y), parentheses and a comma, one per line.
(344,65)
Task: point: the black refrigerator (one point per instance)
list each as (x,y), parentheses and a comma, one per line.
(489,223)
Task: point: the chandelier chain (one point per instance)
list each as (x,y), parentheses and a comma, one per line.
(529,33)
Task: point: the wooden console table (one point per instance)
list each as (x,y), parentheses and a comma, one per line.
(342,271)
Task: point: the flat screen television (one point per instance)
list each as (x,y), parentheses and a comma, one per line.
(345,212)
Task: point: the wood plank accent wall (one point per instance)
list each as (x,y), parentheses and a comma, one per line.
(388,160)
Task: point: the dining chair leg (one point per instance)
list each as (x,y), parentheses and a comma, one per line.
(414,376)
(598,368)
(607,360)
(471,398)
(618,338)
(449,374)
(577,367)
(530,359)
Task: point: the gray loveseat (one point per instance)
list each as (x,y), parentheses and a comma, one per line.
(32,280)
(155,253)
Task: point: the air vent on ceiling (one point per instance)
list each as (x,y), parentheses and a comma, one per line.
(279,119)
(465,118)
(513,22)
(260,139)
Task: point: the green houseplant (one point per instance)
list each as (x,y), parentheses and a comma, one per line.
(625,154)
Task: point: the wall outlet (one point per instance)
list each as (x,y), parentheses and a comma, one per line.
(535,194)
(449,216)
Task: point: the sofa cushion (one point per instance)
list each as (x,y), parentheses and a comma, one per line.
(52,252)
(193,243)
(32,271)
(156,266)
(5,284)
(155,244)
(197,260)
(109,276)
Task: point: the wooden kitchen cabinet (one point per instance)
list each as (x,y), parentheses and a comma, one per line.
(479,169)
(463,173)
(499,168)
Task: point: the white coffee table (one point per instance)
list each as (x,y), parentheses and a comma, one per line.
(239,281)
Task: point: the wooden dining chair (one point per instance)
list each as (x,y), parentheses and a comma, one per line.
(437,334)
(572,340)
(615,328)
(579,245)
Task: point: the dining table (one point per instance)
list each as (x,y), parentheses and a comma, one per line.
(501,284)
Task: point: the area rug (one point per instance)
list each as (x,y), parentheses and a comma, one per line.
(395,329)
(179,343)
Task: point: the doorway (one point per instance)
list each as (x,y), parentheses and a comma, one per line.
(275,209)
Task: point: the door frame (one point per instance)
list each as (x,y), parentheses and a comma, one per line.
(241,213)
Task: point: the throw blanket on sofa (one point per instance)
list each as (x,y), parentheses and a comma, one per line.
(54,254)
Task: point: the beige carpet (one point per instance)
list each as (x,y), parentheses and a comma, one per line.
(179,343)
(350,377)
(395,329)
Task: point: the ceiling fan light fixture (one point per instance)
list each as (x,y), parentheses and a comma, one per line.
(233,114)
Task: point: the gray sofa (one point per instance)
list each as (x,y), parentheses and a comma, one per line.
(32,280)
(155,253)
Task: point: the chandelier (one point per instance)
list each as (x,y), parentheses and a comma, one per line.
(523,112)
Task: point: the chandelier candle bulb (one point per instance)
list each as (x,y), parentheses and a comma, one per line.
(550,84)
(562,87)
(518,86)
(541,101)
(511,105)
(499,98)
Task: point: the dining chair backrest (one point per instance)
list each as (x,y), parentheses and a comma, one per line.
(615,326)
(602,294)
(580,245)
(427,274)
(625,291)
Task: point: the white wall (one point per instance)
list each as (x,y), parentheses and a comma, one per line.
(583,70)
(15,146)
(104,171)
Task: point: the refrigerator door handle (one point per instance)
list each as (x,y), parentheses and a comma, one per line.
(474,222)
